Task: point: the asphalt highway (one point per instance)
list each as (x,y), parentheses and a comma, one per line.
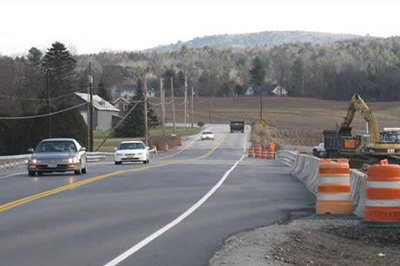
(175,211)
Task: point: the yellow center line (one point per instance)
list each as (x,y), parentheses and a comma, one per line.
(47,193)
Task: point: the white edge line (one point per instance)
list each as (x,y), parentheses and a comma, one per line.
(161,231)
(15,174)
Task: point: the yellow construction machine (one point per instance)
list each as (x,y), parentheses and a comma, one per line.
(371,146)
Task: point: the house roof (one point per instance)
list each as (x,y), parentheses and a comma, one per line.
(98,102)
(121,99)
(279,90)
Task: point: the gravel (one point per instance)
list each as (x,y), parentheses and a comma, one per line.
(324,241)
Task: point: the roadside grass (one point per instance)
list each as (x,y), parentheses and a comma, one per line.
(153,132)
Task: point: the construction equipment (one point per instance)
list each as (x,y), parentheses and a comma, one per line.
(371,146)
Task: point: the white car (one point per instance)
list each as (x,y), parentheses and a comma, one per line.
(319,151)
(132,151)
(207,135)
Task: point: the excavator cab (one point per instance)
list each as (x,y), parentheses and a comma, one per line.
(390,137)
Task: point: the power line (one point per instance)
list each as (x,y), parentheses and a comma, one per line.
(39,116)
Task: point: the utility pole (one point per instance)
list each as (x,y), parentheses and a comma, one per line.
(146,125)
(185,102)
(91,127)
(48,100)
(261,106)
(209,113)
(88,113)
(162,96)
(191,117)
(173,107)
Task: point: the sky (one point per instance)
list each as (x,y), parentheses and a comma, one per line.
(92,26)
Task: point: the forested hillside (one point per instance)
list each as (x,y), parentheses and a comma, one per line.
(269,38)
(369,66)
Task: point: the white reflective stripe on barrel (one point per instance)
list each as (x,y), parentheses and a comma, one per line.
(386,184)
(382,203)
(342,196)
(327,180)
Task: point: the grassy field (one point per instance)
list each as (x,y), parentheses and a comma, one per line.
(291,121)
(153,132)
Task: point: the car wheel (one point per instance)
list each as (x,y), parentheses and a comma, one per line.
(78,172)
(118,162)
(145,162)
(31,173)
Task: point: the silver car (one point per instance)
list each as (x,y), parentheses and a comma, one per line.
(57,155)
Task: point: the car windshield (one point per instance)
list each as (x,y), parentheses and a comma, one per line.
(56,146)
(208,132)
(131,146)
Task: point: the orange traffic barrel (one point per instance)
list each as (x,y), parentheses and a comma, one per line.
(251,151)
(271,151)
(333,193)
(272,146)
(180,142)
(382,203)
(258,151)
(264,154)
(165,147)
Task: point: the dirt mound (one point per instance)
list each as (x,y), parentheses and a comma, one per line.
(377,236)
(341,245)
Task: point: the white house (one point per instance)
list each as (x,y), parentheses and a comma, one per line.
(249,91)
(127,94)
(279,91)
(104,112)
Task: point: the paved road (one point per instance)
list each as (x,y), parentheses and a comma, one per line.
(103,217)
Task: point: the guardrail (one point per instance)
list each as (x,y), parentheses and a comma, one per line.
(13,162)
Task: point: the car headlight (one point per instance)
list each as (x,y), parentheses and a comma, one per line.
(118,154)
(73,160)
(140,153)
(34,161)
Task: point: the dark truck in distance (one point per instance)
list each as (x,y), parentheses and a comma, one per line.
(237,126)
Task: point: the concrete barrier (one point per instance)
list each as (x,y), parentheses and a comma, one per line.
(299,165)
(288,157)
(306,167)
(358,182)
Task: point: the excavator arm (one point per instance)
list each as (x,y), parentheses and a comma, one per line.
(358,104)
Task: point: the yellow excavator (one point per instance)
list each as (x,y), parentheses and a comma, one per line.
(371,146)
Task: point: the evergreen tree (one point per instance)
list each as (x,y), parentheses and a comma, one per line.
(61,66)
(133,126)
(34,56)
(239,90)
(103,92)
(33,84)
(257,73)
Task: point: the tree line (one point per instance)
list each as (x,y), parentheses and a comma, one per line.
(369,66)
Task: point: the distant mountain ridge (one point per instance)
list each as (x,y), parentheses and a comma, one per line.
(270,38)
